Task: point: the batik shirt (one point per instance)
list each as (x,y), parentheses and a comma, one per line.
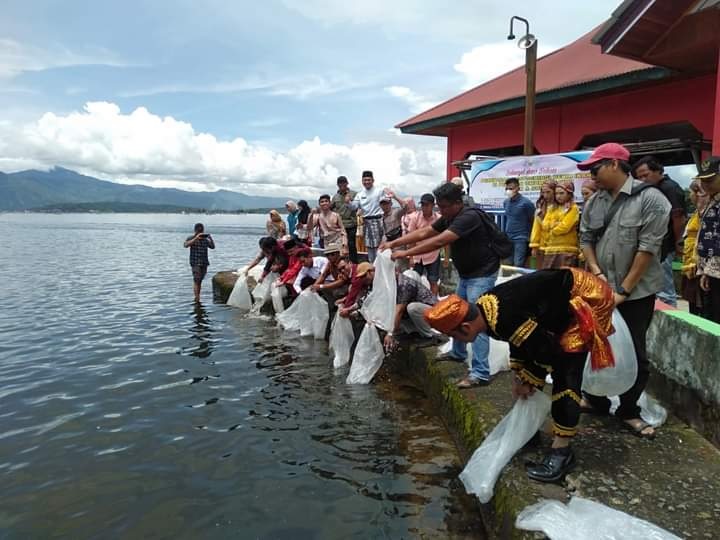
(708,242)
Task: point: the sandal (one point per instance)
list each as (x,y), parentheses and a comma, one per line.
(470,382)
(639,430)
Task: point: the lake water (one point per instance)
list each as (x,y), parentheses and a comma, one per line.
(128,411)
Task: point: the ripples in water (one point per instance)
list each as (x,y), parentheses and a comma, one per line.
(129,412)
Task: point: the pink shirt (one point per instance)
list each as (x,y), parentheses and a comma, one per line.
(418,221)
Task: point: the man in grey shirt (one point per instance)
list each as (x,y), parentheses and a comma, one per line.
(621,233)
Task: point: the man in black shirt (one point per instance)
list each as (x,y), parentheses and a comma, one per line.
(465,230)
(648,169)
(199,244)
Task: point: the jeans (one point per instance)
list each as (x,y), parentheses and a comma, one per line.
(668,294)
(470,289)
(520,249)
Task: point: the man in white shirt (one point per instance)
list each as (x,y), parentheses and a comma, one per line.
(368,202)
(312,269)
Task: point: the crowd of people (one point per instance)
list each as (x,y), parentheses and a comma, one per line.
(615,252)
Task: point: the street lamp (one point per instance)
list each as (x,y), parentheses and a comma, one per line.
(529,43)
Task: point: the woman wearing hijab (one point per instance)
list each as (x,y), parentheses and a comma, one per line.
(544,204)
(690,288)
(275,225)
(560,229)
(302,230)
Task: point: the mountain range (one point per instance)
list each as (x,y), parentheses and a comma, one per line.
(32,189)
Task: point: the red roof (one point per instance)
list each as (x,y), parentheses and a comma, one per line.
(577,63)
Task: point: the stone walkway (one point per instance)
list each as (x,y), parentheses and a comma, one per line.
(672,481)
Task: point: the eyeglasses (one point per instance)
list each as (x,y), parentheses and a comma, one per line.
(596,168)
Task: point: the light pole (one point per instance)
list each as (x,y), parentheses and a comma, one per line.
(529,43)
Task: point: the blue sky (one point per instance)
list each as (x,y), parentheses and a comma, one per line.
(275,97)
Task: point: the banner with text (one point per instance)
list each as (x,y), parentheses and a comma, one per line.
(487,178)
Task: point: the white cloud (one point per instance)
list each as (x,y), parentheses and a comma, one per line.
(141,147)
(491,60)
(417,102)
(16,58)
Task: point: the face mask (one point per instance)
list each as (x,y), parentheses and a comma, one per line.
(509,193)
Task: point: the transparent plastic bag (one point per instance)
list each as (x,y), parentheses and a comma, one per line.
(582,519)
(341,340)
(292,318)
(498,357)
(240,295)
(616,380)
(379,306)
(314,312)
(261,292)
(368,357)
(277,294)
(503,442)
(412,274)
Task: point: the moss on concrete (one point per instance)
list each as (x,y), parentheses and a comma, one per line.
(223,283)
(673,481)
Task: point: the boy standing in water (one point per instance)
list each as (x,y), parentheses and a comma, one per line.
(199,244)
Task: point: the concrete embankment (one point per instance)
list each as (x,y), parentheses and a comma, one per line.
(673,481)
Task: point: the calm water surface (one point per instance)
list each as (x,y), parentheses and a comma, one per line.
(127,411)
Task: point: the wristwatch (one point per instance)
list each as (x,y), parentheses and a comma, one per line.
(622,292)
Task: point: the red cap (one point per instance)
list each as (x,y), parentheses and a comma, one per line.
(609,150)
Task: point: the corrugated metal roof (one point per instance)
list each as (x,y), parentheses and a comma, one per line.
(577,63)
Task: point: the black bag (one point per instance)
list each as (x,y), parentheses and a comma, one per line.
(500,243)
(393,234)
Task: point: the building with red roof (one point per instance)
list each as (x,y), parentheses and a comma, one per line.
(647,77)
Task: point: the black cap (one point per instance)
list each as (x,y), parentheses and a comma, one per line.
(427,198)
(367,174)
(709,168)
(342,180)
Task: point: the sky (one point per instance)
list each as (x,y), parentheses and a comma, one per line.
(267,98)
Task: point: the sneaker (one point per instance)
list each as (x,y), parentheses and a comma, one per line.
(449,357)
(471,382)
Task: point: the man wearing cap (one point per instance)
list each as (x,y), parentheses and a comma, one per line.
(347,214)
(650,170)
(621,234)
(361,279)
(428,263)
(333,281)
(708,244)
(551,319)
(367,201)
(465,230)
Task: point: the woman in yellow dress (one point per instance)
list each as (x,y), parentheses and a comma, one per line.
(690,289)
(544,204)
(560,229)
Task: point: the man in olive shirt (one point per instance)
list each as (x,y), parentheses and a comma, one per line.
(622,230)
(347,214)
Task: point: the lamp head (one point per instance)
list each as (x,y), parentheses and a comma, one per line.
(527,41)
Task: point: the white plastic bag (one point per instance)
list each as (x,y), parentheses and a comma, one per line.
(498,448)
(261,292)
(293,317)
(616,380)
(240,295)
(368,357)
(498,357)
(582,519)
(341,340)
(412,274)
(315,314)
(379,306)
(277,294)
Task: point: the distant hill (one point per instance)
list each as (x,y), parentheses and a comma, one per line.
(26,190)
(134,208)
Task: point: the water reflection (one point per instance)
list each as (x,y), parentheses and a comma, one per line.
(201,331)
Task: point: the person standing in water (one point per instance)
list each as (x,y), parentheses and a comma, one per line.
(199,244)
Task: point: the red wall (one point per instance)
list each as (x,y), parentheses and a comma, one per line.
(560,128)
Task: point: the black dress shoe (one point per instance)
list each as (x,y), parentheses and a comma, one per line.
(556,464)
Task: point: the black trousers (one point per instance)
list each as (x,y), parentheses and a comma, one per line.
(352,247)
(566,370)
(637,314)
